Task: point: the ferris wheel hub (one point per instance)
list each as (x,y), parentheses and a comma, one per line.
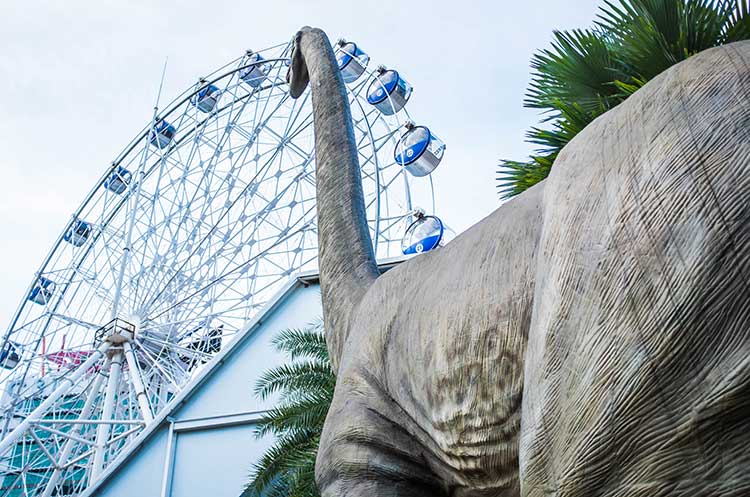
(116,332)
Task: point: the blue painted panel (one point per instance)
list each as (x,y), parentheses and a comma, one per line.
(215,463)
(142,474)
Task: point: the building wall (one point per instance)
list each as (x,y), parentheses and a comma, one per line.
(142,476)
(213,445)
(208,473)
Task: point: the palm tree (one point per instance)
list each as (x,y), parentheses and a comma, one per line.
(587,72)
(305,387)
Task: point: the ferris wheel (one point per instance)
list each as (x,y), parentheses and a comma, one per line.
(194,226)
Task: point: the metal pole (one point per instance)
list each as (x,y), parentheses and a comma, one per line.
(102,432)
(135,377)
(166,479)
(70,380)
(141,177)
(74,430)
(128,240)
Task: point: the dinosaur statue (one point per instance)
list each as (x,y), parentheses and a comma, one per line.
(590,337)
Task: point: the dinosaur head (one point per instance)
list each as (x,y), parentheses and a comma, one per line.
(297,75)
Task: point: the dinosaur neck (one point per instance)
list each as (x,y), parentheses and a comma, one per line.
(347,262)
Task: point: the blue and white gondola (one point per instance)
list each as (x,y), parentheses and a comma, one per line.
(388,92)
(43,290)
(206,99)
(352,60)
(9,357)
(162,134)
(118,181)
(254,75)
(418,150)
(422,235)
(78,233)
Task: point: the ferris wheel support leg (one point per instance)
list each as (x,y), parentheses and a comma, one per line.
(102,431)
(88,407)
(135,376)
(68,382)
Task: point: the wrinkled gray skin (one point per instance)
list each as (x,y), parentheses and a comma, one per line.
(618,288)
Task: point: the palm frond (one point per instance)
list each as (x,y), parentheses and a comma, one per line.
(516,177)
(308,342)
(587,72)
(286,454)
(299,376)
(627,89)
(737,26)
(653,35)
(578,69)
(302,481)
(304,414)
(305,387)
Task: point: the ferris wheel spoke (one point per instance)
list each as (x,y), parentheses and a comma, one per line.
(156,206)
(260,257)
(158,293)
(204,212)
(281,96)
(155,363)
(174,347)
(235,269)
(164,157)
(297,111)
(288,143)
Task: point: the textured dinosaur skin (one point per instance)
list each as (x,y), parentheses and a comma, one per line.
(589,338)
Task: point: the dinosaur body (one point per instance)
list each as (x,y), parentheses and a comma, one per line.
(589,337)
(455,410)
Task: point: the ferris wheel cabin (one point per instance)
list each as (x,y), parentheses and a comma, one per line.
(418,150)
(422,235)
(42,291)
(388,92)
(254,75)
(352,60)
(78,233)
(118,181)
(207,98)
(162,134)
(208,344)
(9,357)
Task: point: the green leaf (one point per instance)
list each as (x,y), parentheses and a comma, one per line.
(309,342)
(737,26)
(288,453)
(585,73)
(305,387)
(299,376)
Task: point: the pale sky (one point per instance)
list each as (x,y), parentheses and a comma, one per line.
(78,80)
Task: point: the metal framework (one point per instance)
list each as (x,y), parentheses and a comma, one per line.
(160,267)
